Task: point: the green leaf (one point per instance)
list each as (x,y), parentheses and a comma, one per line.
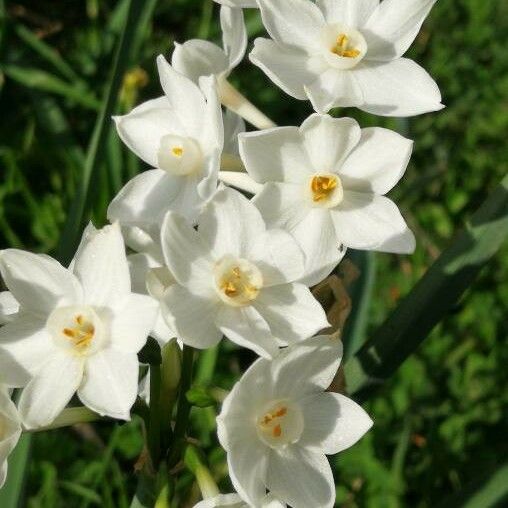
(489,491)
(11,493)
(38,79)
(82,204)
(355,330)
(433,296)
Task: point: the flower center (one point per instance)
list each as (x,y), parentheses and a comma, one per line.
(280,423)
(77,329)
(179,155)
(343,46)
(326,190)
(237,281)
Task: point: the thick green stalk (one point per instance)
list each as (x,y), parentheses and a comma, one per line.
(183,409)
(154,430)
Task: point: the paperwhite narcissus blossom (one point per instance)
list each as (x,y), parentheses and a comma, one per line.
(325,183)
(196,58)
(236,277)
(278,423)
(78,330)
(179,134)
(10,431)
(235,501)
(347,53)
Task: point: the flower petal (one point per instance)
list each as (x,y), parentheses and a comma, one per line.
(185,98)
(292,313)
(9,307)
(230,224)
(393,27)
(307,367)
(234,34)
(378,162)
(110,383)
(24,348)
(300,477)
(102,267)
(191,316)
(288,67)
(46,395)
(353,13)
(132,323)
(247,328)
(279,257)
(333,422)
(185,253)
(296,23)
(142,129)
(334,88)
(39,283)
(275,155)
(233,126)
(328,140)
(371,222)
(212,135)
(195,58)
(397,88)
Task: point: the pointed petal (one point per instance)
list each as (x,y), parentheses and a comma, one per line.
(233,126)
(102,267)
(393,27)
(296,23)
(110,383)
(191,316)
(212,136)
(142,129)
(185,253)
(288,67)
(352,13)
(329,141)
(50,390)
(132,323)
(234,34)
(38,283)
(275,155)
(300,477)
(195,58)
(24,348)
(247,328)
(307,367)
(279,257)
(334,88)
(292,313)
(230,224)
(333,422)
(378,162)
(184,96)
(397,88)
(371,222)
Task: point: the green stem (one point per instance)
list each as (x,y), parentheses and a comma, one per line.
(154,431)
(183,409)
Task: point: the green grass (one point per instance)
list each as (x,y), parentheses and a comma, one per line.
(439,434)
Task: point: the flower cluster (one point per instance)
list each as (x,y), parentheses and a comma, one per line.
(226,233)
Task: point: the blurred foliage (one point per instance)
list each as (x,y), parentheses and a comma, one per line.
(441,421)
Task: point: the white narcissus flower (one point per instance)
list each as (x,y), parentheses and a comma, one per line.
(236,277)
(196,57)
(179,134)
(78,330)
(347,53)
(325,183)
(10,431)
(235,501)
(278,424)
(9,307)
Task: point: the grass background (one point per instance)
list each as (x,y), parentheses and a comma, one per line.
(440,423)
